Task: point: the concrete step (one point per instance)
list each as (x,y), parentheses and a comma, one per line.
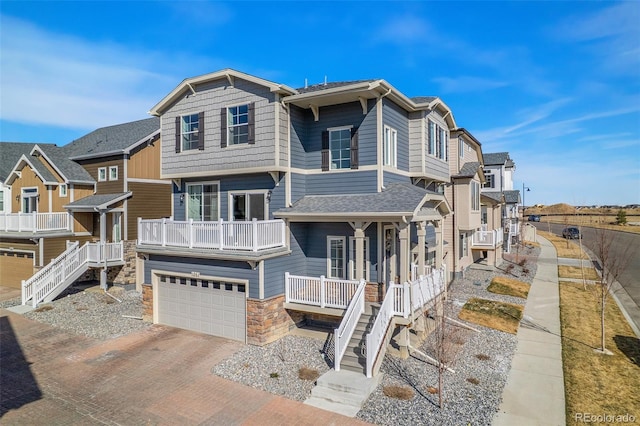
(343,392)
(20,309)
(354,363)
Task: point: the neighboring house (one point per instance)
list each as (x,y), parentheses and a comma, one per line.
(290,204)
(476,225)
(499,169)
(91,190)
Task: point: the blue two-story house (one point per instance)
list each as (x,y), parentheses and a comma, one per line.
(290,204)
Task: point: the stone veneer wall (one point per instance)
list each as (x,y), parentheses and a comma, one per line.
(268,320)
(125,274)
(374,292)
(147,302)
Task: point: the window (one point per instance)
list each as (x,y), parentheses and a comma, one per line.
(113,173)
(190,126)
(442,144)
(63,190)
(489,183)
(432,138)
(463,245)
(461,147)
(475,196)
(29,200)
(335,257)
(203,201)
(102,174)
(352,258)
(1,201)
(247,206)
(340,148)
(390,147)
(238,124)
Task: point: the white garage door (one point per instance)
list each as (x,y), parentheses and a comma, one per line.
(208,306)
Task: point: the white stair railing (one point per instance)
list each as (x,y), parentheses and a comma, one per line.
(343,334)
(72,262)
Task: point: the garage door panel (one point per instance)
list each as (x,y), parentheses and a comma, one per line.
(15,267)
(206,306)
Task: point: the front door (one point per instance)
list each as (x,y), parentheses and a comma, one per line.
(390,255)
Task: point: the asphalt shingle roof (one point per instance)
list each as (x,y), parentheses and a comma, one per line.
(112,138)
(323,86)
(10,153)
(71,170)
(497,196)
(96,200)
(495,158)
(423,99)
(396,198)
(468,170)
(512,196)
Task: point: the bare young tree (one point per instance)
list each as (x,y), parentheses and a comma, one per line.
(612,264)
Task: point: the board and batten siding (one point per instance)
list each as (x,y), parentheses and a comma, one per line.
(149,201)
(204,267)
(398,119)
(144,161)
(210,98)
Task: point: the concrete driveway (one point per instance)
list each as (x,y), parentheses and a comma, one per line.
(161,375)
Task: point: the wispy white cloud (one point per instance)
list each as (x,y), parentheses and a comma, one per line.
(465,84)
(406,28)
(54,79)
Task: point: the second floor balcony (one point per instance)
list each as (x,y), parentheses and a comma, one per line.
(35,222)
(485,239)
(244,236)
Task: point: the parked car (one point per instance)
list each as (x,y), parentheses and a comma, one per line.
(571,233)
(534,218)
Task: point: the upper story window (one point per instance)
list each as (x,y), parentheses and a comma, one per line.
(432,138)
(489,181)
(390,153)
(102,174)
(248,205)
(475,196)
(203,201)
(461,147)
(340,148)
(113,173)
(63,190)
(190,131)
(438,141)
(238,125)
(30,200)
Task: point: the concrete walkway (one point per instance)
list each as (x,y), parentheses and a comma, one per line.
(534,393)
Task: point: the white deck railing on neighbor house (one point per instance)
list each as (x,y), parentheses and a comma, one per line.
(252,235)
(490,239)
(320,291)
(402,300)
(64,269)
(35,222)
(342,334)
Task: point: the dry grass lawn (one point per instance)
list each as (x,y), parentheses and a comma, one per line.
(565,248)
(597,383)
(497,315)
(565,271)
(509,286)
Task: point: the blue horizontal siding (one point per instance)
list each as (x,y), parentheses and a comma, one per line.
(355,182)
(389,177)
(295,263)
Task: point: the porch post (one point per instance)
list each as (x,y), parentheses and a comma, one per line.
(438,227)
(405,262)
(422,232)
(359,237)
(103,242)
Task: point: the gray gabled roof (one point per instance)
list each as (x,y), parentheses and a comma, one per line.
(496,159)
(423,99)
(70,170)
(397,199)
(112,139)
(468,170)
(10,153)
(493,195)
(330,85)
(100,202)
(512,196)
(38,166)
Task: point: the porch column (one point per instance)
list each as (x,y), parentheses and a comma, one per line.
(439,244)
(103,247)
(359,237)
(405,261)
(422,232)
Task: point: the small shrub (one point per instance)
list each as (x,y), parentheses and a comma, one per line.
(483,357)
(305,373)
(473,380)
(398,392)
(432,390)
(522,262)
(44,308)
(509,268)
(274,375)
(525,271)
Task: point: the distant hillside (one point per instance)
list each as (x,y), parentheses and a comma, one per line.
(554,209)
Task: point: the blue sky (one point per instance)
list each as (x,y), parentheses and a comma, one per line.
(557,84)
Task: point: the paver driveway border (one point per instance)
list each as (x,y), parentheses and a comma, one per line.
(161,375)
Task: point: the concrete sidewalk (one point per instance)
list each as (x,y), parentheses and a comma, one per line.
(534,393)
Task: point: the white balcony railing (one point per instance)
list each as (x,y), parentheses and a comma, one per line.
(252,235)
(35,222)
(489,239)
(319,291)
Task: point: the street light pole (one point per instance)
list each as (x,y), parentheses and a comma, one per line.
(523,204)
